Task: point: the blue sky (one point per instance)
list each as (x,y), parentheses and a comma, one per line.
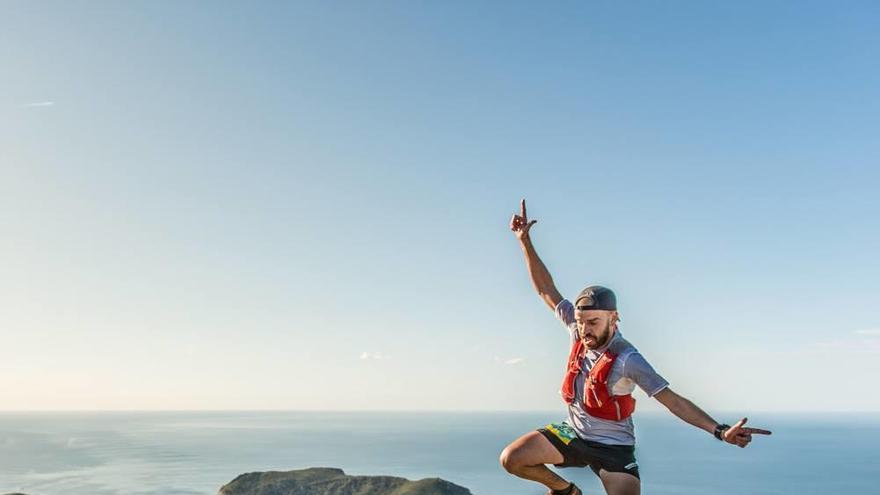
(305,206)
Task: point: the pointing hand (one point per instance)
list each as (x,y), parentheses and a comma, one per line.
(740,436)
(520,224)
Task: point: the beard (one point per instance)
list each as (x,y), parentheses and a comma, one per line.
(600,340)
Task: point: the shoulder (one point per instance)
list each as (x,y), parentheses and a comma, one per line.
(629,356)
(565,313)
(635,366)
(564,307)
(622,347)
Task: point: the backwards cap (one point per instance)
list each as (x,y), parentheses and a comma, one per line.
(596,297)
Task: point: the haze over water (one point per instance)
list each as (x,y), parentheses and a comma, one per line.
(194,453)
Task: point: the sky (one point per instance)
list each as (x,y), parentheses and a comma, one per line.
(305,205)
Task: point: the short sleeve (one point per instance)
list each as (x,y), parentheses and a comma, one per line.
(637,369)
(565,314)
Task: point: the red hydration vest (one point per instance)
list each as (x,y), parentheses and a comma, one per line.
(597,400)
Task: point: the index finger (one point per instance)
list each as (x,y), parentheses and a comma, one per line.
(739,425)
(522,205)
(758,431)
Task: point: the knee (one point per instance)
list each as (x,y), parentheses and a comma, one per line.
(508,460)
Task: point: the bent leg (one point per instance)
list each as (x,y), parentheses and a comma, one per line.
(620,483)
(526,457)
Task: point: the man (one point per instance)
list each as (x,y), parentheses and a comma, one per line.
(601,374)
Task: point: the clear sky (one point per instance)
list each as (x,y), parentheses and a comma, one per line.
(306,206)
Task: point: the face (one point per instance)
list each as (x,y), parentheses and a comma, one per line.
(595,327)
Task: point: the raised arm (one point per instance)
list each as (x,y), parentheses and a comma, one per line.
(541,279)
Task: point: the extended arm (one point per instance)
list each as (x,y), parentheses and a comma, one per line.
(689,412)
(539,274)
(686,410)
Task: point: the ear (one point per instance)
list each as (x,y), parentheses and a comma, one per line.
(615,318)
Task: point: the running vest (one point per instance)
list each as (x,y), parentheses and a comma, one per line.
(598,401)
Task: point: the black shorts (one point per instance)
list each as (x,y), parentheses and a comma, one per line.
(581,453)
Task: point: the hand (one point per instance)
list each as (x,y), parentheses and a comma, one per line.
(740,435)
(520,224)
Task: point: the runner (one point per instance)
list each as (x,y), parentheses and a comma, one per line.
(599,429)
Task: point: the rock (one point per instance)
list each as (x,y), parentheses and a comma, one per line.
(333,481)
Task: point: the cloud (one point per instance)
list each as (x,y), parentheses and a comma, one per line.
(509,362)
(378,356)
(865,341)
(36,104)
(860,346)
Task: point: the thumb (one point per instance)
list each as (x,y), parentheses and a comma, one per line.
(533,222)
(739,424)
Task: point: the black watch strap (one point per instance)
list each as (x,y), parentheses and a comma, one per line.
(720,429)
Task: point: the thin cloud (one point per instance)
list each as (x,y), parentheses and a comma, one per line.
(509,362)
(37,104)
(851,346)
(867,342)
(378,356)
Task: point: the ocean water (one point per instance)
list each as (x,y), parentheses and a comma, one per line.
(188,453)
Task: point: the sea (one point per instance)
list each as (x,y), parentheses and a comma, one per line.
(194,453)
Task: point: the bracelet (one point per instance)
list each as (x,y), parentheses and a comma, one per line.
(719,431)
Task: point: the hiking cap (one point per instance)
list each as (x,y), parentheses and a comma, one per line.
(596,297)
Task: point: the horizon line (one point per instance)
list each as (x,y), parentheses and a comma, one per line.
(449,411)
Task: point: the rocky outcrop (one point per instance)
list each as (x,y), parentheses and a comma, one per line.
(332,481)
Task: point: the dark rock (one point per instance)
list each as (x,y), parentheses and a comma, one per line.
(333,481)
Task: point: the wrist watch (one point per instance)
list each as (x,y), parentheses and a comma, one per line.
(719,430)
